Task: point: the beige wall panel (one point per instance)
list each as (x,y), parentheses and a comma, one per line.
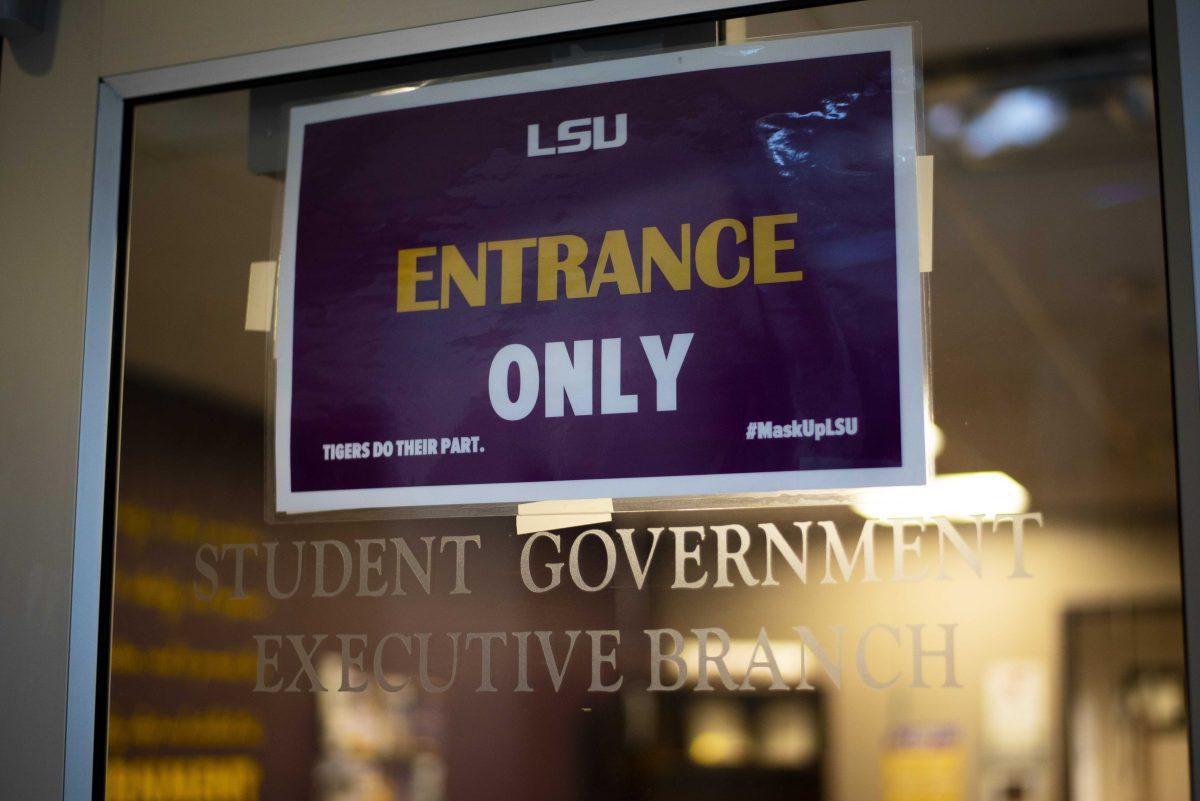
(47,121)
(141,34)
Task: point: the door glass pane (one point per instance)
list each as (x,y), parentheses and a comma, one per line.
(1027,657)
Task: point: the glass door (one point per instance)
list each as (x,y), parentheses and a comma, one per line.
(1010,629)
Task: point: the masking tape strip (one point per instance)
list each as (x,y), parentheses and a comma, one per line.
(581,506)
(550,515)
(925,212)
(260,296)
(527,524)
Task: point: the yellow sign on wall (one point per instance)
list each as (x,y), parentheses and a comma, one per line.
(924,764)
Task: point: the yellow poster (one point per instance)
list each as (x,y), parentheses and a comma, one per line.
(923,764)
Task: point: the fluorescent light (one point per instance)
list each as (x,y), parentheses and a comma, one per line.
(399,90)
(955,496)
(788,657)
(1021,117)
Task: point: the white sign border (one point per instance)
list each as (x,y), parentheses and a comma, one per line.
(898,41)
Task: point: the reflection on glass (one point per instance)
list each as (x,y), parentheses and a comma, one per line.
(717,733)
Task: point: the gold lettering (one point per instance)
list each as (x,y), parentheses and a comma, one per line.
(766,246)
(472,286)
(706,254)
(756,245)
(677,269)
(408,276)
(551,262)
(512,266)
(615,266)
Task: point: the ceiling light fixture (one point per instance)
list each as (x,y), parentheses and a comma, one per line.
(956,496)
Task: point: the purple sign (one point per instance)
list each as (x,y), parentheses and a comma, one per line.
(682,274)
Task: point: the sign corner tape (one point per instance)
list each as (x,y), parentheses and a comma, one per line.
(260,296)
(925,211)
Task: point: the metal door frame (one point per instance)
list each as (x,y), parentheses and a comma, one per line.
(1175,31)
(1176,37)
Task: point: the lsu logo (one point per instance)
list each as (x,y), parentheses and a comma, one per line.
(576,136)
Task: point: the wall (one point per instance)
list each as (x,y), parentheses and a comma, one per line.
(47,116)
(184,32)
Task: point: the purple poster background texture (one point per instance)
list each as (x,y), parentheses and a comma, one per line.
(811,137)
